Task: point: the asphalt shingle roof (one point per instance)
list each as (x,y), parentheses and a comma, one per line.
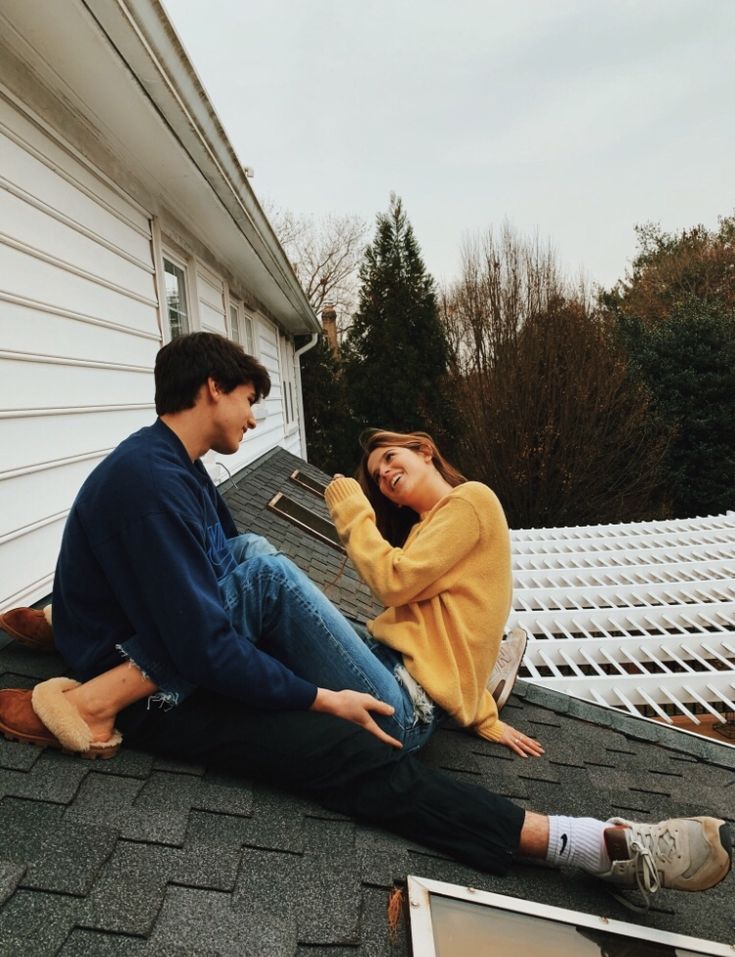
(149,857)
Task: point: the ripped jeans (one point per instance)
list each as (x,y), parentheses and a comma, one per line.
(318,643)
(273,602)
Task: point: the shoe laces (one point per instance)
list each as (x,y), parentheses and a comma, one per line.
(647,848)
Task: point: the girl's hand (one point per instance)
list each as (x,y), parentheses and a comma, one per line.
(517,741)
(337,475)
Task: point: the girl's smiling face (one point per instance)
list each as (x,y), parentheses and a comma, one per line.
(401,473)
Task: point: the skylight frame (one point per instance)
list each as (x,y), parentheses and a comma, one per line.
(308,521)
(298,477)
(423,941)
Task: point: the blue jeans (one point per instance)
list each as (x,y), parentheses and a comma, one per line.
(275,605)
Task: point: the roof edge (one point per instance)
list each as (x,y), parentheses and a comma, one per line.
(144,35)
(639,728)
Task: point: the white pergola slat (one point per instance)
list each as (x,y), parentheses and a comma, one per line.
(639,617)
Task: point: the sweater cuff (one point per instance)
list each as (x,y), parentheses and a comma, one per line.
(340,490)
(490,730)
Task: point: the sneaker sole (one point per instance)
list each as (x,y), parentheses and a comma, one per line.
(505,686)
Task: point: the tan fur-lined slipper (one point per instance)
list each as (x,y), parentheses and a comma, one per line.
(64,721)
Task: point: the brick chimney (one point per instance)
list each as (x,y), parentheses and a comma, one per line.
(329,324)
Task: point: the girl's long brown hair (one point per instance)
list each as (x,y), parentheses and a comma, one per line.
(395,523)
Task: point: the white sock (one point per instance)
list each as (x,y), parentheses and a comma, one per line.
(578,842)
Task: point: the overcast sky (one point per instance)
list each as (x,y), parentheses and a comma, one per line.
(573,118)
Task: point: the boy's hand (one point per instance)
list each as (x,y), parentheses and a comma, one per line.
(355,706)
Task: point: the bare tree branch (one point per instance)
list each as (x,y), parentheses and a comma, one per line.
(325,254)
(553,422)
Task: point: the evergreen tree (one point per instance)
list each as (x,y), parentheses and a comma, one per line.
(675,314)
(688,365)
(396,350)
(331,433)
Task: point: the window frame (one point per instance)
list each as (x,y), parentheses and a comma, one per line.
(305,519)
(168,257)
(420,891)
(245,325)
(289,396)
(316,487)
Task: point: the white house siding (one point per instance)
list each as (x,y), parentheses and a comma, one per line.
(211,301)
(101,173)
(78,336)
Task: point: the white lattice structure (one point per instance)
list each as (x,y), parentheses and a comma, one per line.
(638,616)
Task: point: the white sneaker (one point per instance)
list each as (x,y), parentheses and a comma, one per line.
(687,854)
(510,655)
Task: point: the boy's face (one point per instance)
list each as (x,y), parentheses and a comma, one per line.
(232,416)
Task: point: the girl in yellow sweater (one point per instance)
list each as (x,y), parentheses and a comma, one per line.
(433,547)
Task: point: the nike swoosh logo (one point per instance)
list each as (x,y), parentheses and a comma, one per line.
(564,840)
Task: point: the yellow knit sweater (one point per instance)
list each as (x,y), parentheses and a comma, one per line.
(447,592)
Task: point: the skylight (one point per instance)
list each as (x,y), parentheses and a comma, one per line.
(305,519)
(451,921)
(307,482)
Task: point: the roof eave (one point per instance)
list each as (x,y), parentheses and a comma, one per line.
(145,37)
(117,68)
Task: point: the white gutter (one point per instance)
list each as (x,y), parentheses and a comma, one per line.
(300,392)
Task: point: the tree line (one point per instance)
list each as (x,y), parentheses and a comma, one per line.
(575,405)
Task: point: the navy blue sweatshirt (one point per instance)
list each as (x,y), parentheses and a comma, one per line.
(143,548)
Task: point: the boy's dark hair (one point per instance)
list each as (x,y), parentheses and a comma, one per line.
(184,365)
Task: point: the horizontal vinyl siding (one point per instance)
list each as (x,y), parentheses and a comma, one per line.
(20,495)
(42,440)
(40,383)
(27,563)
(31,326)
(211,299)
(33,162)
(40,234)
(78,337)
(24,274)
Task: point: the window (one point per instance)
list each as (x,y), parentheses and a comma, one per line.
(288,391)
(450,921)
(241,328)
(248,341)
(176,300)
(306,481)
(235,325)
(304,518)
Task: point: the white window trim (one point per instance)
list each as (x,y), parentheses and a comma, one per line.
(251,325)
(422,932)
(187,266)
(245,323)
(288,386)
(163,247)
(230,304)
